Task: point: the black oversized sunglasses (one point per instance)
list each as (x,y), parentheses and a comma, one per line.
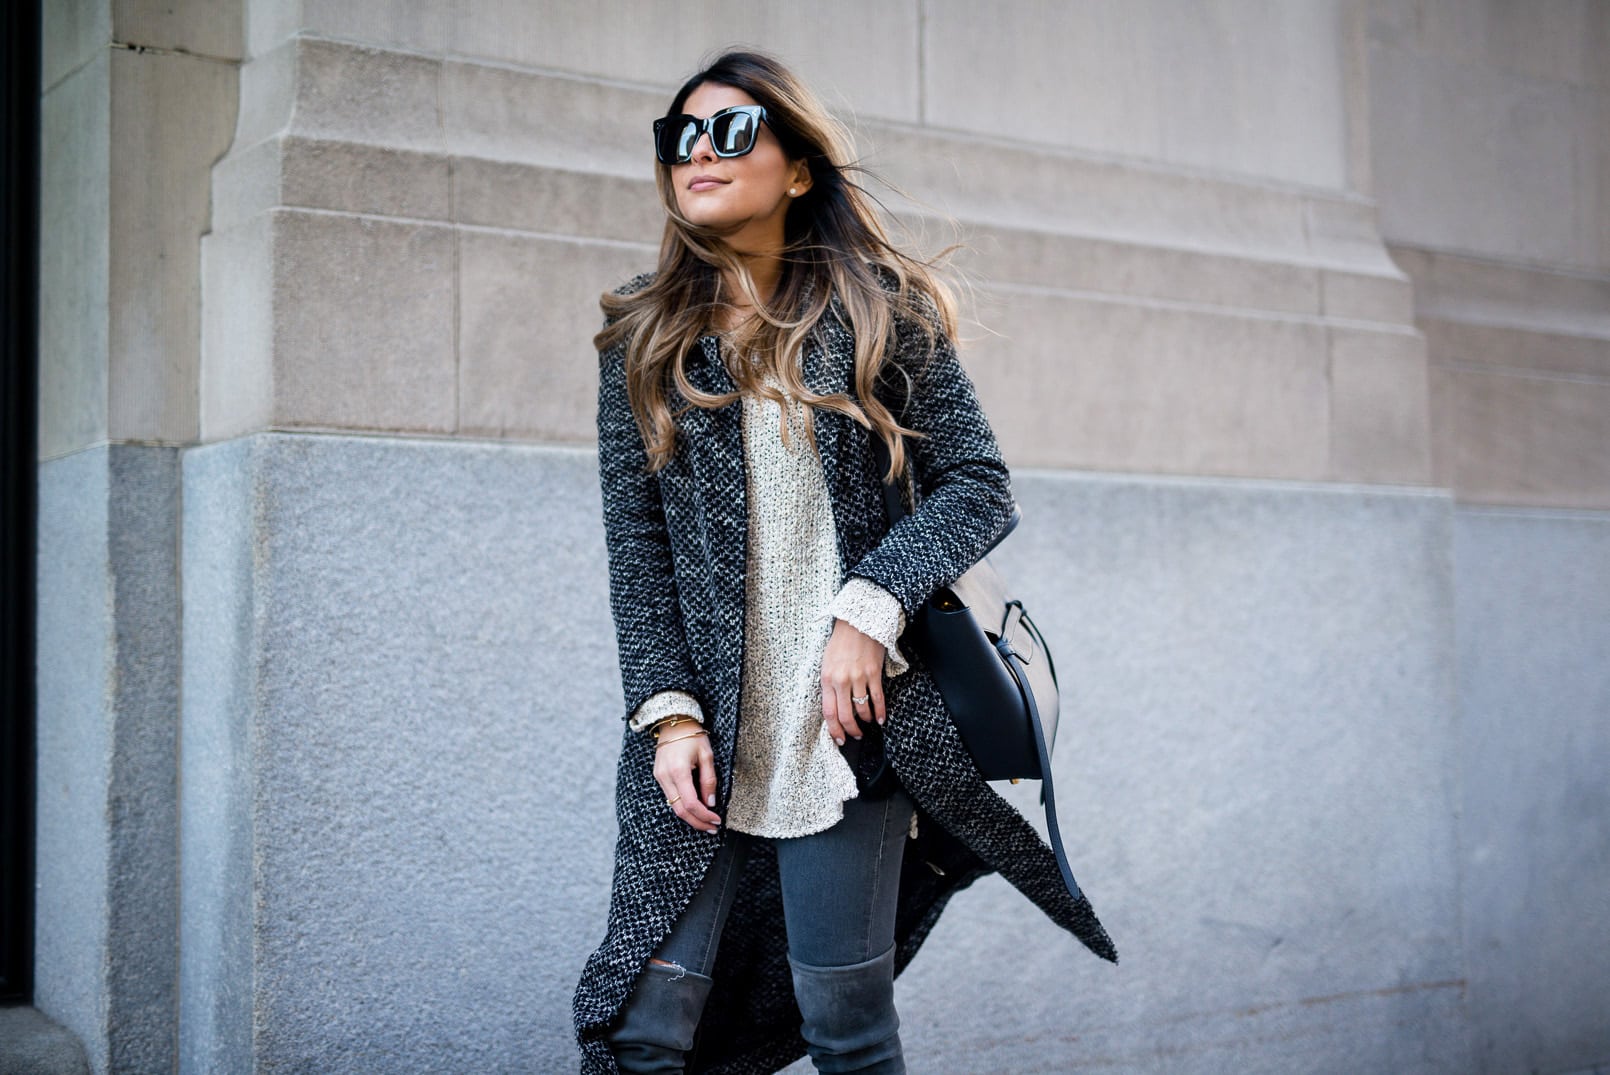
(732,133)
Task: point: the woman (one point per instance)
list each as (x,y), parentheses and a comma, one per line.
(769,884)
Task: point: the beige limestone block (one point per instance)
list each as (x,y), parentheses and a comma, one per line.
(1482,160)
(556,201)
(198,27)
(1122,385)
(1037,188)
(363,323)
(353,177)
(1444,425)
(268,96)
(1353,45)
(865,56)
(1517,350)
(1380,418)
(172,116)
(1565,40)
(1520,379)
(1343,232)
(245,184)
(237,329)
(1232,87)
(529,309)
(1073,263)
(1506,438)
(74,258)
(501,113)
(1455,288)
(1594,170)
(357,94)
(1361,297)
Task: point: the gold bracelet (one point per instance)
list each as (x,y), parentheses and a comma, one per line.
(670,722)
(690,735)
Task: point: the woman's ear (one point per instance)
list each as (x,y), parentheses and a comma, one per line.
(801,180)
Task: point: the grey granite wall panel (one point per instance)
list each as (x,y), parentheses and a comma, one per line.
(401,721)
(75,658)
(221,535)
(403,661)
(1534,615)
(142,807)
(107,715)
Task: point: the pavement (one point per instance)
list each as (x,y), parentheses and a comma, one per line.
(31,1043)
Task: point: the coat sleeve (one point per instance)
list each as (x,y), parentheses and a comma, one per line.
(653,649)
(965,490)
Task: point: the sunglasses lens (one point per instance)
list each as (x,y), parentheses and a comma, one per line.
(686,135)
(733,133)
(674,137)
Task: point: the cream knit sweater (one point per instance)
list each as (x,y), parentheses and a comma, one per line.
(789,778)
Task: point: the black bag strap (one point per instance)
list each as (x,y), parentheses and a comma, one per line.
(1048,797)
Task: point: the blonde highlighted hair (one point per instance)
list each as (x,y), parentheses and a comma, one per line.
(835,245)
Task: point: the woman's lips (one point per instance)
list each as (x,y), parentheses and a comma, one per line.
(706,182)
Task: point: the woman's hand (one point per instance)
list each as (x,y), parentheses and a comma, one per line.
(685,748)
(852,667)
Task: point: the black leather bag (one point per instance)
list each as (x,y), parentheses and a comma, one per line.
(874,776)
(994,671)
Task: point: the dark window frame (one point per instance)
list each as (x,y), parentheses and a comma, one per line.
(19,471)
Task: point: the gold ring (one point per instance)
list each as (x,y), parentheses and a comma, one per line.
(673,799)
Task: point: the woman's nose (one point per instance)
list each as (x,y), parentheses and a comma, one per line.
(707,153)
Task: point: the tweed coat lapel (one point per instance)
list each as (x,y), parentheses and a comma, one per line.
(714,453)
(827,369)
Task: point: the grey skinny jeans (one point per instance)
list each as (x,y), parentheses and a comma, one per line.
(840,888)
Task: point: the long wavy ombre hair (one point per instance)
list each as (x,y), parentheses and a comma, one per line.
(834,245)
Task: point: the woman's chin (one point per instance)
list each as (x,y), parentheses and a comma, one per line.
(715,223)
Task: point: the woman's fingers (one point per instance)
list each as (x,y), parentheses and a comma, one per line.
(849,711)
(830,711)
(852,667)
(836,712)
(874,688)
(674,765)
(707,778)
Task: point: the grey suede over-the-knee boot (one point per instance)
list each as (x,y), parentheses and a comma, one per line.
(656,1026)
(849,1019)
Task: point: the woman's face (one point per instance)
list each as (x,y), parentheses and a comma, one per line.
(743,199)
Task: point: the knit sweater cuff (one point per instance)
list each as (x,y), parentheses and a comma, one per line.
(875,612)
(665,704)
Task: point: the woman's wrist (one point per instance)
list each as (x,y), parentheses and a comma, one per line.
(676,727)
(876,613)
(663,704)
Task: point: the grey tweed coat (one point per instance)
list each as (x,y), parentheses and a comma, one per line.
(676,542)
